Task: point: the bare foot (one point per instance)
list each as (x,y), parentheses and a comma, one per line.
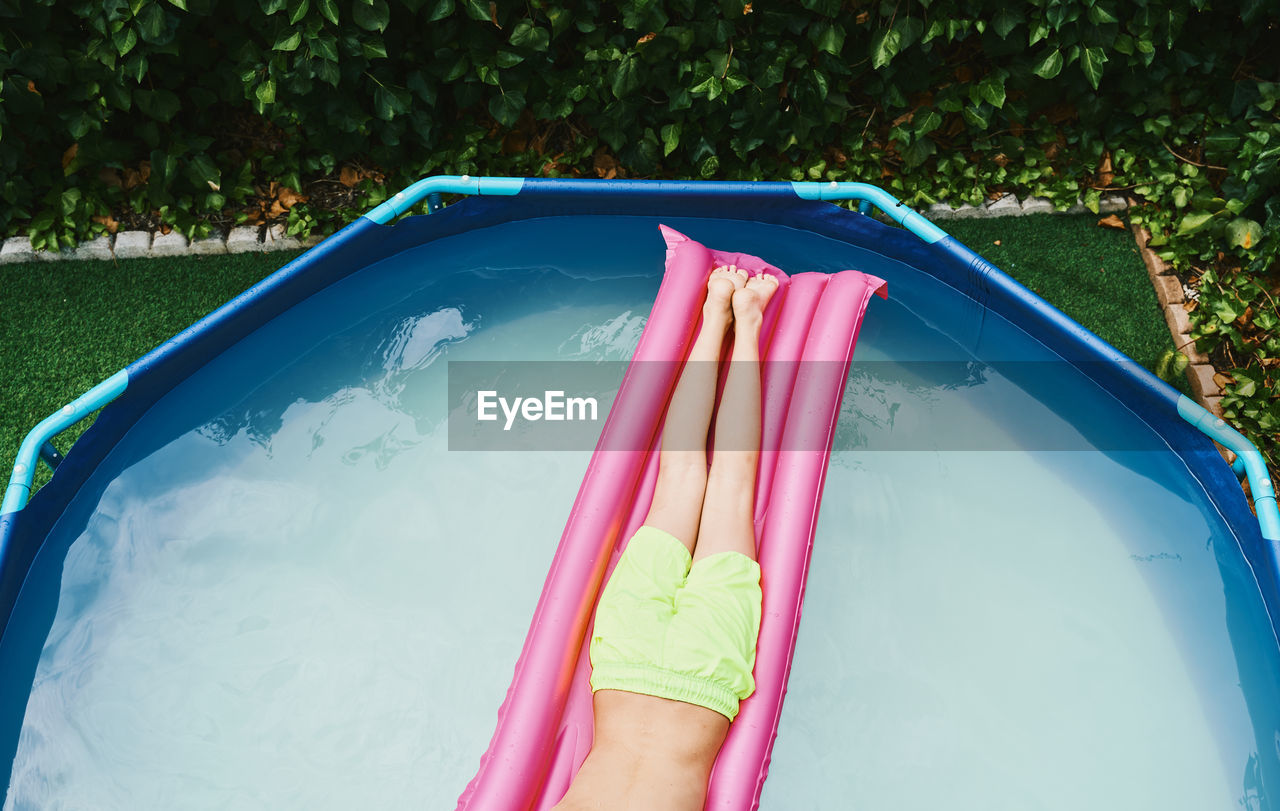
(721,287)
(749,302)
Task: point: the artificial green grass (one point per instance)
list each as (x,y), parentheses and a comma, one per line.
(1093,274)
(68,326)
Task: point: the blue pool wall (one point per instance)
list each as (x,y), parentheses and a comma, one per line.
(364,242)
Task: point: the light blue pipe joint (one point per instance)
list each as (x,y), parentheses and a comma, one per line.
(404,200)
(1237,467)
(50,455)
(501,186)
(1248,457)
(24,469)
(892,207)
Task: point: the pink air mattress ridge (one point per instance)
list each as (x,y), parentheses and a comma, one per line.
(545,724)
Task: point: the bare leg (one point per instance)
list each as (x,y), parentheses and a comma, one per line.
(682,463)
(726,523)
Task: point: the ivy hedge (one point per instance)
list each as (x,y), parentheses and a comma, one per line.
(194,114)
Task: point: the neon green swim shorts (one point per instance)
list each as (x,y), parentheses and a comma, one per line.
(668,627)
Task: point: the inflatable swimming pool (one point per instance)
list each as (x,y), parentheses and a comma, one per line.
(263,578)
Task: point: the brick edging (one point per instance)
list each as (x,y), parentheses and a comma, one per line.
(1200,372)
(140,244)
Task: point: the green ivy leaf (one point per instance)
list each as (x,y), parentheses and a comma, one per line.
(372,17)
(1225,310)
(928,122)
(457,70)
(423,89)
(1091,61)
(324,47)
(70,200)
(161,105)
(710,87)
(1099,15)
(1171,364)
(124,40)
(203,173)
(670,138)
(527,35)
(625,78)
(1193,222)
(388,102)
(329,8)
(827,37)
(1007,19)
(507,59)
(1243,232)
(298,10)
(442,9)
(152,22)
(164,165)
(1039,30)
(78,127)
(992,90)
(884,47)
(977,115)
(918,152)
(288,41)
(911,29)
(42,221)
(182,4)
(506,107)
(265,93)
(1050,66)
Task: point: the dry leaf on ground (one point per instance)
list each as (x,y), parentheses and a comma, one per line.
(288,198)
(1105,173)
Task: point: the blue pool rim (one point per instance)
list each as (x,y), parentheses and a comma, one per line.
(1185,426)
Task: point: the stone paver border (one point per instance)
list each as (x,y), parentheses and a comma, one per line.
(1010,206)
(253,239)
(140,244)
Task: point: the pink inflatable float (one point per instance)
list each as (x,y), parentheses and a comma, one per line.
(545,724)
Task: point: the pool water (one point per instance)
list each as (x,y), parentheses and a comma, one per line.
(282,589)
